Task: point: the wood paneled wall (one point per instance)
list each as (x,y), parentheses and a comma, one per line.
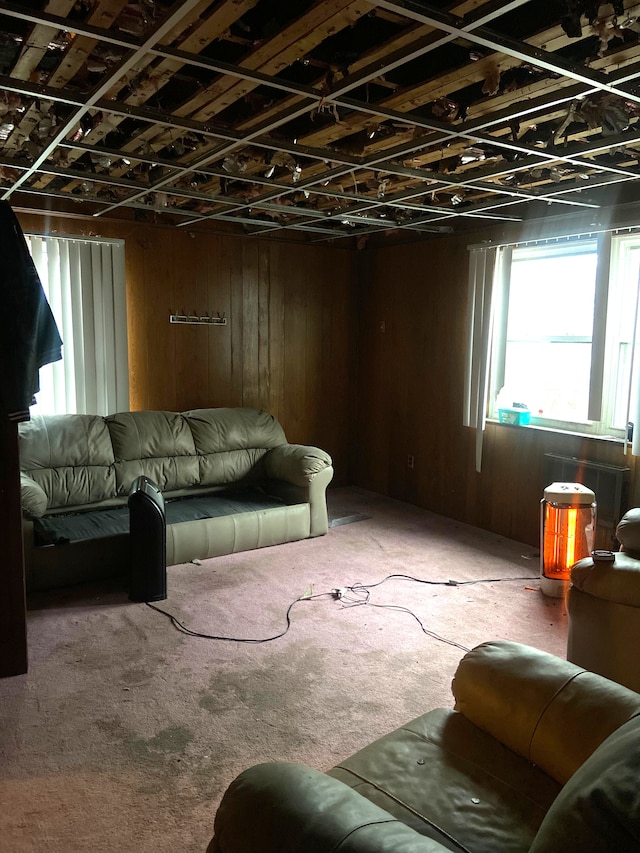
(361,353)
(412,327)
(288,345)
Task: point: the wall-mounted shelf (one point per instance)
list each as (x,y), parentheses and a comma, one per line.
(198,320)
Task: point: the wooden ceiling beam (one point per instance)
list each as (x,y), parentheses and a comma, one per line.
(81,47)
(196,38)
(38,41)
(285,48)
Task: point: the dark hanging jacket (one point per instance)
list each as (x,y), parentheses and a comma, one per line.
(29,337)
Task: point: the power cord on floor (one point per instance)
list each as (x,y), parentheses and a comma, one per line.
(350,596)
(360,594)
(450,582)
(183,628)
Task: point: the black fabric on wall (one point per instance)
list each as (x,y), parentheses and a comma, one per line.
(30,337)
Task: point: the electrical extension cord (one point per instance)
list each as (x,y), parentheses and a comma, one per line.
(339,593)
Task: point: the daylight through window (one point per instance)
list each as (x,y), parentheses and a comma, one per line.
(562,341)
(84,282)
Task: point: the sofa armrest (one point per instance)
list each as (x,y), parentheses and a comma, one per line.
(287,808)
(295,463)
(298,473)
(617,581)
(550,711)
(33,497)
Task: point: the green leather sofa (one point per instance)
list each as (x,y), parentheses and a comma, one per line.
(538,755)
(229,478)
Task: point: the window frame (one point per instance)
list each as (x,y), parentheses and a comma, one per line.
(603,384)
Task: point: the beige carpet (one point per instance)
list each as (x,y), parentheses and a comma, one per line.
(125,732)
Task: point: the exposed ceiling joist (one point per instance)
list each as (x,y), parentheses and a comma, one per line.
(331,117)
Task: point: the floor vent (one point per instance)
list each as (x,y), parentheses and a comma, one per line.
(348,519)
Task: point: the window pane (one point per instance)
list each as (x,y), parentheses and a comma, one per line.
(549,329)
(552,379)
(552,297)
(621,327)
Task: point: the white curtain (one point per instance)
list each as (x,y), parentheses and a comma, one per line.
(84,282)
(488,280)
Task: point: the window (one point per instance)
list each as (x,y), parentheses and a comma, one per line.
(623,330)
(84,283)
(546,354)
(554,327)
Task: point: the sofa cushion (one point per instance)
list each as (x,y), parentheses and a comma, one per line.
(449,780)
(111,521)
(599,808)
(79,526)
(70,457)
(157,445)
(231,443)
(32,497)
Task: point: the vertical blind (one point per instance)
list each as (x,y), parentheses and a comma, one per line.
(488,269)
(84,282)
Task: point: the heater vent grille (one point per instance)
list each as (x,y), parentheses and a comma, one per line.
(610,483)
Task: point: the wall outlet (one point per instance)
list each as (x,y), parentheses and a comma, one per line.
(411,461)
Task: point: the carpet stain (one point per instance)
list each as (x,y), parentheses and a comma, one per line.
(136,675)
(293,675)
(170,740)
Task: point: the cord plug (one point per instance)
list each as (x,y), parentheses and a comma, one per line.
(339,592)
(451,583)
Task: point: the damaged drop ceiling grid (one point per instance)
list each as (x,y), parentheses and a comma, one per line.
(339,118)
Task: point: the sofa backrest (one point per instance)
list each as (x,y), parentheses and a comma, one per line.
(70,457)
(84,459)
(598,809)
(628,532)
(231,443)
(158,445)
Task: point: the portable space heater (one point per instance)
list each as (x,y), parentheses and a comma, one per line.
(148,538)
(567,523)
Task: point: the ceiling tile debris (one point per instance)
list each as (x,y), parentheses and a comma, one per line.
(332,118)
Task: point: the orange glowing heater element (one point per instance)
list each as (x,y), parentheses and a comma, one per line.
(572,516)
(567,525)
(560,539)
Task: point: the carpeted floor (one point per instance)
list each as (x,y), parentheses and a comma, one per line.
(125,732)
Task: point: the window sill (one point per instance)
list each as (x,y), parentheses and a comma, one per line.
(610,439)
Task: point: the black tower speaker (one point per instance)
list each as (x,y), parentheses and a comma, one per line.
(147,536)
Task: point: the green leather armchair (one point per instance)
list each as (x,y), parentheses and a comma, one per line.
(603,604)
(538,755)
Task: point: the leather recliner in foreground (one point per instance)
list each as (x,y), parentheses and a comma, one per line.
(538,756)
